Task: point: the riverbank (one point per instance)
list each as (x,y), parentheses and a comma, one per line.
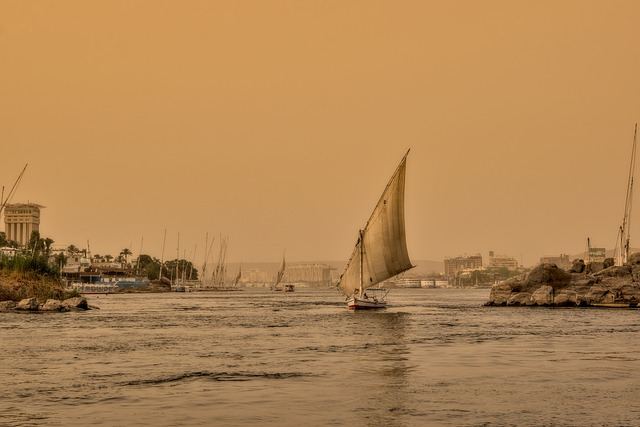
(16,286)
(33,292)
(583,285)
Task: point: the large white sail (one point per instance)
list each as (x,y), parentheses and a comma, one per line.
(382,244)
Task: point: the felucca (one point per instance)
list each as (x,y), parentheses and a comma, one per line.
(381,250)
(279,276)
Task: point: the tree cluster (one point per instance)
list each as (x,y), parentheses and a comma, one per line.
(37,256)
(176,270)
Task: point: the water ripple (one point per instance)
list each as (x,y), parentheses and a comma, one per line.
(216,376)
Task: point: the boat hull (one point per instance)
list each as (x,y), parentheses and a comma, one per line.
(356,303)
(616,305)
(88,288)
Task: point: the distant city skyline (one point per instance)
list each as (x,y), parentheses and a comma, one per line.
(190,253)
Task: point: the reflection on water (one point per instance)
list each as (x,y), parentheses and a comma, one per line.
(434,357)
(378,385)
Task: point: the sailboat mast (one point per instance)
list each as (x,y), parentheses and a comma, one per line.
(195,249)
(630,198)
(361,262)
(138,261)
(164,241)
(625,229)
(204,265)
(177,259)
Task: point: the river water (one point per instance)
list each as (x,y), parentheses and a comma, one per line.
(262,358)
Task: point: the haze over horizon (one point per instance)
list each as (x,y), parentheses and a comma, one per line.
(279,123)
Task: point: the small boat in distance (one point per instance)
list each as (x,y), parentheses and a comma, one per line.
(276,286)
(381,250)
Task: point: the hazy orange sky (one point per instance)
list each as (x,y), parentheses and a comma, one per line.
(278,123)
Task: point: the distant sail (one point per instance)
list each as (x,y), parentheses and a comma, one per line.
(281,271)
(382,243)
(238,276)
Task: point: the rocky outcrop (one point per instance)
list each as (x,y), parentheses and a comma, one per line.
(54,305)
(7,305)
(28,304)
(594,284)
(51,305)
(77,303)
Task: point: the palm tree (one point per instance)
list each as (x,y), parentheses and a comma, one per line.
(125,252)
(47,246)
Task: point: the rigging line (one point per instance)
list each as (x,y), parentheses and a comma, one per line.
(15,185)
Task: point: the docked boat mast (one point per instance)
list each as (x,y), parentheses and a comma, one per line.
(624,233)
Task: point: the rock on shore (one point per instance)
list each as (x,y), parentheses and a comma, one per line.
(595,284)
(32,304)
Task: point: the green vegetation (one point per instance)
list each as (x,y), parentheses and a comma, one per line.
(29,272)
(4,243)
(150,267)
(25,263)
(26,275)
(185,269)
(16,286)
(35,270)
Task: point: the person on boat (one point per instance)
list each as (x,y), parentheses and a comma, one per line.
(365,296)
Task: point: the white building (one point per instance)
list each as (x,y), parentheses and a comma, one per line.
(434,283)
(20,220)
(503,261)
(408,282)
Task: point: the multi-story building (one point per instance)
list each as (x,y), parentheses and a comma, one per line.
(561,261)
(407,282)
(20,220)
(318,274)
(466,262)
(255,275)
(434,283)
(502,261)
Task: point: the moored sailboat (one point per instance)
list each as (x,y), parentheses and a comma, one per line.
(622,250)
(381,250)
